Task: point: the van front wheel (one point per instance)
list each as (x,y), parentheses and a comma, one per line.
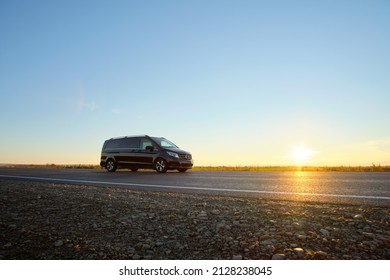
(161,165)
(111,165)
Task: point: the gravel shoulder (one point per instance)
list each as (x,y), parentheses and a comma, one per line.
(59,221)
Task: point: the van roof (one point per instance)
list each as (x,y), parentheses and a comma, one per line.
(129,136)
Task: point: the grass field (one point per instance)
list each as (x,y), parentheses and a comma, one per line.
(371,168)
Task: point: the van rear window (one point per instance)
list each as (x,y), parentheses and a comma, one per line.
(123,143)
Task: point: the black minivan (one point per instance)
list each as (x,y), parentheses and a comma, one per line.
(144,152)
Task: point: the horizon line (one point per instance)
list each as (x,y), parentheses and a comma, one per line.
(372,167)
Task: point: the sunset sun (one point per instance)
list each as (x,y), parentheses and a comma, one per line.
(302,155)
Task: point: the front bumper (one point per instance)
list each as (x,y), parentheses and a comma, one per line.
(177,164)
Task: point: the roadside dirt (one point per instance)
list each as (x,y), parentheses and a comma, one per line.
(59,221)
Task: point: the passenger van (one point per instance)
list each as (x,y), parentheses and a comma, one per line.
(144,152)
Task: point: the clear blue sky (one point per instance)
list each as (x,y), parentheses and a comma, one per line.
(233,82)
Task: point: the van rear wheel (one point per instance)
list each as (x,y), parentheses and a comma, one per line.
(111,165)
(161,165)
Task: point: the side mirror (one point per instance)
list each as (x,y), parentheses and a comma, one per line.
(149,148)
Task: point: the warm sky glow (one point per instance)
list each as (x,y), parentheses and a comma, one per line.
(234,82)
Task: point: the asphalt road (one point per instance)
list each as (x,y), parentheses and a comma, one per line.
(365,188)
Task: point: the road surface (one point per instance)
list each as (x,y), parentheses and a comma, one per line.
(366,188)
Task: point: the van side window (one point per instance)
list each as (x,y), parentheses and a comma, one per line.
(132,143)
(144,143)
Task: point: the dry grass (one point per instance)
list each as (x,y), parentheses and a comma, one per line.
(372,168)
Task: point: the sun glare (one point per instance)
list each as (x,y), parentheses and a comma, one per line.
(302,155)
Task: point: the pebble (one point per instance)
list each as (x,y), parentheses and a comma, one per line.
(297,225)
(321,253)
(278,257)
(301,237)
(267,242)
(324,232)
(202,215)
(265,237)
(237,257)
(298,250)
(229,239)
(59,243)
(369,234)
(220,225)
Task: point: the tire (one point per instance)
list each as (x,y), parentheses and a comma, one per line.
(111,165)
(134,169)
(182,169)
(161,165)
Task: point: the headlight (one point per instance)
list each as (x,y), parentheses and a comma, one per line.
(172,154)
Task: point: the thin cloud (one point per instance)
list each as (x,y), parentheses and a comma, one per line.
(115,111)
(82,105)
(91,106)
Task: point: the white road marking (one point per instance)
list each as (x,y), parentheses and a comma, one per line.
(194,188)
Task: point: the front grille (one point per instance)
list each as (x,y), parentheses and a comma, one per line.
(185,156)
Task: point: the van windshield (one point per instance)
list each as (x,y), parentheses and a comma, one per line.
(164,143)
